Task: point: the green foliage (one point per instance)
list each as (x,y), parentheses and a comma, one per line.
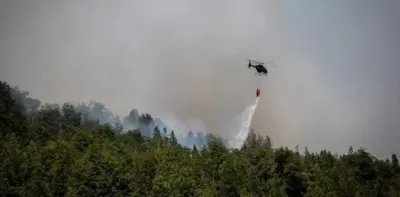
(70,150)
(12,118)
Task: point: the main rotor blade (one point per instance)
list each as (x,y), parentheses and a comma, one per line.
(260,62)
(255,61)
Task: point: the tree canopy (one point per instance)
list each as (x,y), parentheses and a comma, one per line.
(83,150)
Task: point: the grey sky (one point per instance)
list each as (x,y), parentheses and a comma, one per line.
(336,84)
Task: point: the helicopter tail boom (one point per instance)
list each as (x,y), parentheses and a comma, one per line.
(250,64)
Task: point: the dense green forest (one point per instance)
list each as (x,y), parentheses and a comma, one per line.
(52,150)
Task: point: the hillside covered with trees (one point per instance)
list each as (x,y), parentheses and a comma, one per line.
(71,150)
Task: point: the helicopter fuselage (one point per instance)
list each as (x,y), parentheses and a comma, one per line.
(260,69)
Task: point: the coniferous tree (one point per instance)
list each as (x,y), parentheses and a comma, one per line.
(268,142)
(350,150)
(306,152)
(395,163)
(173,139)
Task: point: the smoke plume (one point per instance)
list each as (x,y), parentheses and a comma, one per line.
(336,84)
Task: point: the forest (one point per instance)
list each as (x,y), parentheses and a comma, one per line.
(72,150)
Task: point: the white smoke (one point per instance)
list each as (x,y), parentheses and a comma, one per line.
(181,128)
(242,126)
(174,124)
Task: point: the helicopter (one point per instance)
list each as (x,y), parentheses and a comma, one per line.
(261,70)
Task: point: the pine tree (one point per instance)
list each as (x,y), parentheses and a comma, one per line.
(165,132)
(350,150)
(165,137)
(268,141)
(157,135)
(395,163)
(195,151)
(173,139)
(306,151)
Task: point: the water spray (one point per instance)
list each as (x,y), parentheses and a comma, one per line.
(245,121)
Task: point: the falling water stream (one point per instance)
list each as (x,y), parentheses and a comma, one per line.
(244,120)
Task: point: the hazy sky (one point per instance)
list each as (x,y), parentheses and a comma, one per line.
(336,84)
